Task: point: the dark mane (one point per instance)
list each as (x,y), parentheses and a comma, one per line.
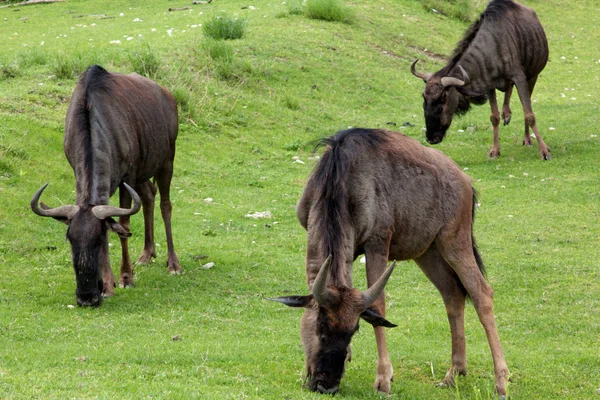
(93,79)
(330,179)
(494,11)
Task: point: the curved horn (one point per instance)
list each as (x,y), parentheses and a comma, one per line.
(66,211)
(425,76)
(103,212)
(372,293)
(319,289)
(451,81)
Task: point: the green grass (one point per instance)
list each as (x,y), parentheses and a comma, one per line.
(288,82)
(328,10)
(224,27)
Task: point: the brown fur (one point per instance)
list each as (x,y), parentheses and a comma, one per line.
(118,129)
(506,47)
(404,201)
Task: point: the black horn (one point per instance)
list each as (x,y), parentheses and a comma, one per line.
(104,211)
(66,211)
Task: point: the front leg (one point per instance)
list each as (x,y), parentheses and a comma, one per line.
(376,252)
(108,278)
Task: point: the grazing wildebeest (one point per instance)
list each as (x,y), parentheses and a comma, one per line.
(507,46)
(120,131)
(382,194)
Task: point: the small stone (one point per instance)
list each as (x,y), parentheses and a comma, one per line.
(208,200)
(176,337)
(208,265)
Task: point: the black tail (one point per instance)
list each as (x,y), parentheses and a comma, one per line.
(475,251)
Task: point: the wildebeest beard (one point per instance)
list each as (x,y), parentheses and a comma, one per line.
(329,366)
(86,262)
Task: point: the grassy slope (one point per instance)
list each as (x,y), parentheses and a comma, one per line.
(537,224)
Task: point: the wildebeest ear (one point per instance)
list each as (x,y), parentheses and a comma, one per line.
(294,301)
(117,228)
(375,319)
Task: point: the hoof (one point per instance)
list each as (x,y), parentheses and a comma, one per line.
(493,154)
(126,281)
(546,155)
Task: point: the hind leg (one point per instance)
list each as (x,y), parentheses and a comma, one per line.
(506,113)
(163,179)
(147,192)
(456,247)
(495,120)
(447,283)
(525,89)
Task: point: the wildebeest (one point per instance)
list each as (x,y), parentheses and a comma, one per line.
(507,46)
(382,194)
(120,131)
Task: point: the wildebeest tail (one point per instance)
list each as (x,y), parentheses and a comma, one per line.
(475,251)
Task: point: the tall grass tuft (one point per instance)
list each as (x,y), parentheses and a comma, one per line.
(9,70)
(464,10)
(144,61)
(70,65)
(218,50)
(32,57)
(328,10)
(224,27)
(295,7)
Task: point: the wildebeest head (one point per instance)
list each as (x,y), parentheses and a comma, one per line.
(328,324)
(87,234)
(441,101)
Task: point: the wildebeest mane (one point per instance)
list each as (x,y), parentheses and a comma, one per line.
(94,78)
(495,10)
(330,183)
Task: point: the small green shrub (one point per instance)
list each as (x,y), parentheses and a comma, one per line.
(328,10)
(144,61)
(224,27)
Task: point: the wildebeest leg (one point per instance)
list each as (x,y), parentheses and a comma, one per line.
(495,120)
(108,278)
(455,244)
(446,281)
(147,192)
(525,89)
(163,179)
(126,278)
(376,252)
(506,113)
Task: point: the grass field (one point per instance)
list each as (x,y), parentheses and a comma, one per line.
(247,107)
